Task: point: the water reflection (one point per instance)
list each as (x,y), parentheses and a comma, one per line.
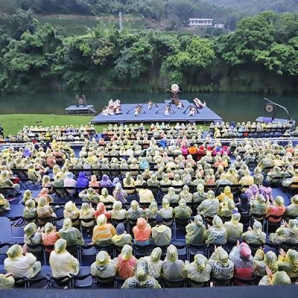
(231,107)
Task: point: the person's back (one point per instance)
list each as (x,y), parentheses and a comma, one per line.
(195,231)
(62,262)
(161,234)
(173,269)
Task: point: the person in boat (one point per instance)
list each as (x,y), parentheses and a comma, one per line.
(198,103)
(150,104)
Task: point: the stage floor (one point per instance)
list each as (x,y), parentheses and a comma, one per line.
(157,114)
(87,109)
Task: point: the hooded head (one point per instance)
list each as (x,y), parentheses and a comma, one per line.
(141,223)
(217,222)
(270,259)
(198,220)
(70,206)
(14,251)
(222,256)
(165,203)
(200,261)
(141,270)
(172,253)
(294,200)
(279,201)
(227,190)
(134,205)
(30,229)
(182,203)
(153,207)
(120,229)
(102,258)
(155,254)
(100,208)
(67,223)
(101,220)
(126,252)
(104,192)
(244,250)
(49,227)
(210,194)
(117,206)
(280,278)
(60,246)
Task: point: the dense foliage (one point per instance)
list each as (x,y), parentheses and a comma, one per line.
(260,55)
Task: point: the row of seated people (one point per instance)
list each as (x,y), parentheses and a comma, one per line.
(239,267)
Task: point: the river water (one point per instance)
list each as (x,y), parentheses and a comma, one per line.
(229,106)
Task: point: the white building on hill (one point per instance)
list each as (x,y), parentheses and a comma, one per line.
(200,23)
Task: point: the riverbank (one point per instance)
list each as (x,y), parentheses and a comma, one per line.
(13,123)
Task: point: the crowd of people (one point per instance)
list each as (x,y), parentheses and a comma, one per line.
(133,193)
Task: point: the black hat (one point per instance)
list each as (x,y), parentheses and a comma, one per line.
(159,219)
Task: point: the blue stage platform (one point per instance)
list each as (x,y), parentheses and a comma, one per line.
(157,114)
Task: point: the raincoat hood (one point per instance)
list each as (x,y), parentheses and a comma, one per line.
(172,254)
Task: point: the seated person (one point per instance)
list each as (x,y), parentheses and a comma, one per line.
(195,231)
(126,263)
(62,262)
(89,195)
(173,269)
(199,270)
(234,228)
(217,233)
(105,197)
(4,204)
(182,211)
(161,234)
(49,236)
(32,238)
(71,234)
(145,194)
(222,268)
(6,280)
(166,212)
(71,211)
(103,232)
(103,267)
(243,262)
(155,263)
(142,232)
(171,196)
(292,209)
(21,263)
(134,212)
(86,216)
(255,236)
(118,213)
(121,237)
(141,278)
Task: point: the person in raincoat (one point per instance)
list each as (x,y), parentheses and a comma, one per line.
(21,263)
(182,211)
(135,211)
(141,278)
(255,236)
(32,237)
(4,204)
(86,216)
(217,233)
(6,281)
(126,263)
(262,261)
(234,228)
(71,211)
(105,197)
(121,237)
(243,262)
(103,232)
(209,207)
(171,196)
(173,269)
(49,236)
(89,196)
(161,234)
(288,262)
(199,270)
(166,211)
(195,231)
(70,234)
(118,212)
(104,266)
(155,263)
(142,232)
(222,268)
(62,262)
(292,209)
(275,279)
